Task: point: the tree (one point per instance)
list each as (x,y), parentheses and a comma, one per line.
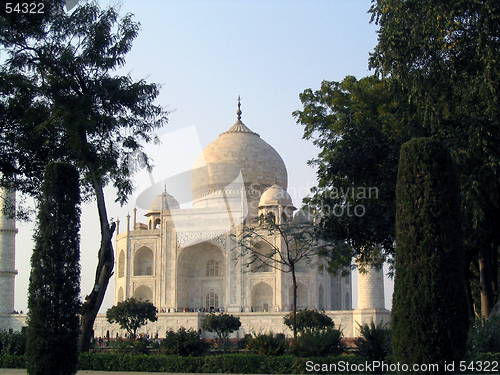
(359,129)
(132,314)
(60,101)
(54,288)
(222,324)
(429,317)
(276,241)
(308,320)
(443,57)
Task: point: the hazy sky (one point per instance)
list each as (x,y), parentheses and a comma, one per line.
(204,54)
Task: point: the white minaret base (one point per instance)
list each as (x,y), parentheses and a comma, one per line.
(371,299)
(8,270)
(371,289)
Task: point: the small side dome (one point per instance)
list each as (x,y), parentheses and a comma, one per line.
(275,195)
(303,216)
(163,202)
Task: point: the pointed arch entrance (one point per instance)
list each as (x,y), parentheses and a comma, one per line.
(262,297)
(201,273)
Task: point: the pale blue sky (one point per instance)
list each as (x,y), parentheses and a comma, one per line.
(205,53)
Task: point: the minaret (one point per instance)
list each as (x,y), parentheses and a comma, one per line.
(8,270)
(371,289)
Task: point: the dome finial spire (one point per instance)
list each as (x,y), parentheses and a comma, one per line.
(238,126)
(238,112)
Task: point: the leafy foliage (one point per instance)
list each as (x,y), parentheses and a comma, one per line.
(184,342)
(61,100)
(267,344)
(375,341)
(132,314)
(309,320)
(442,56)
(222,324)
(484,336)
(242,343)
(429,317)
(12,343)
(54,288)
(323,342)
(227,363)
(359,128)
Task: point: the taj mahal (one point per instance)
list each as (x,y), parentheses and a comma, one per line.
(187,263)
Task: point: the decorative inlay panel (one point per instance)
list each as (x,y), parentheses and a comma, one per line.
(190,238)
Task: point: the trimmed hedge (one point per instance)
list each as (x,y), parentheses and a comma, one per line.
(12,343)
(12,361)
(229,363)
(429,318)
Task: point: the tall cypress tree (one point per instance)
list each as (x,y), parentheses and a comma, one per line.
(53,300)
(429,317)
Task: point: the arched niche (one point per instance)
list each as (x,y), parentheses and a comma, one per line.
(302,296)
(201,269)
(121,264)
(262,297)
(304,264)
(260,258)
(321,298)
(120,296)
(347,302)
(143,293)
(143,262)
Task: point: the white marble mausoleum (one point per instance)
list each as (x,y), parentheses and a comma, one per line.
(186,261)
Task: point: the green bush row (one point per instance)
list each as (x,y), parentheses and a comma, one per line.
(13,343)
(12,361)
(229,363)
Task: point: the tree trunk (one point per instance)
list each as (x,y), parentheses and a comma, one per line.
(104,269)
(485,281)
(294,314)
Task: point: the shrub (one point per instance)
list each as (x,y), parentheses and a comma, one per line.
(223,325)
(484,336)
(242,343)
(429,317)
(308,319)
(375,343)
(184,342)
(12,343)
(54,289)
(12,361)
(318,343)
(228,363)
(132,314)
(268,344)
(139,346)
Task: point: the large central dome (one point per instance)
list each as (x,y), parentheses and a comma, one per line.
(237,150)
